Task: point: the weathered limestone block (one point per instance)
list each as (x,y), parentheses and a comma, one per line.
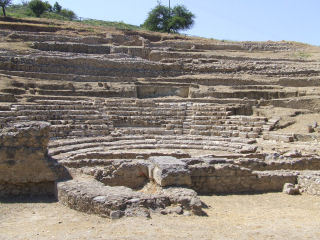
(272,181)
(25,167)
(309,182)
(132,174)
(279,137)
(291,189)
(187,198)
(169,171)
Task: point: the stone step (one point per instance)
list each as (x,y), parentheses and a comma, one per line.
(124,145)
(58,117)
(192,138)
(78,133)
(56,107)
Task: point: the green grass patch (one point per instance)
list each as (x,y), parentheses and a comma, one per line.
(118,25)
(302,55)
(22,11)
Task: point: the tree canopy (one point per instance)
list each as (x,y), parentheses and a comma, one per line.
(163,19)
(4,4)
(57,7)
(38,7)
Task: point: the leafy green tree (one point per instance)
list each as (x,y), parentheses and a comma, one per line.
(69,14)
(4,4)
(181,19)
(48,6)
(163,19)
(57,7)
(37,7)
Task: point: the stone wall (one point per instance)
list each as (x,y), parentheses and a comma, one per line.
(25,167)
(204,175)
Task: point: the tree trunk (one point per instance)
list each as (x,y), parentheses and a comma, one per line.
(4,11)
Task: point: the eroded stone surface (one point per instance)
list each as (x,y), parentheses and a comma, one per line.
(94,197)
(25,167)
(309,182)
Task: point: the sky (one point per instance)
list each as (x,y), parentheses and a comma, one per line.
(238,20)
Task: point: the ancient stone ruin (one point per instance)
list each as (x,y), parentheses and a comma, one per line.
(144,122)
(25,167)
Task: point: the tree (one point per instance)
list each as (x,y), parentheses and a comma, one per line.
(4,4)
(163,19)
(69,14)
(37,7)
(48,6)
(57,7)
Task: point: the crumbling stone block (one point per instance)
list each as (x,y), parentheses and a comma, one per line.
(25,167)
(169,171)
(291,189)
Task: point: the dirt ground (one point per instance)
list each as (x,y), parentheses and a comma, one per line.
(263,216)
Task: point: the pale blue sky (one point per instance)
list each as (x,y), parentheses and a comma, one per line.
(252,20)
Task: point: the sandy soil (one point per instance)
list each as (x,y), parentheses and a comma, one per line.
(266,216)
(301,123)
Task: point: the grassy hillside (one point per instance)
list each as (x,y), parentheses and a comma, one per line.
(22,11)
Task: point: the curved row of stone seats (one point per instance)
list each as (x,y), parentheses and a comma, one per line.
(72,63)
(72,118)
(30,27)
(69,77)
(72,47)
(194,130)
(251,94)
(130,51)
(68,119)
(97,65)
(300,81)
(213,80)
(201,57)
(243,46)
(139,117)
(63,143)
(85,151)
(45,37)
(64,149)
